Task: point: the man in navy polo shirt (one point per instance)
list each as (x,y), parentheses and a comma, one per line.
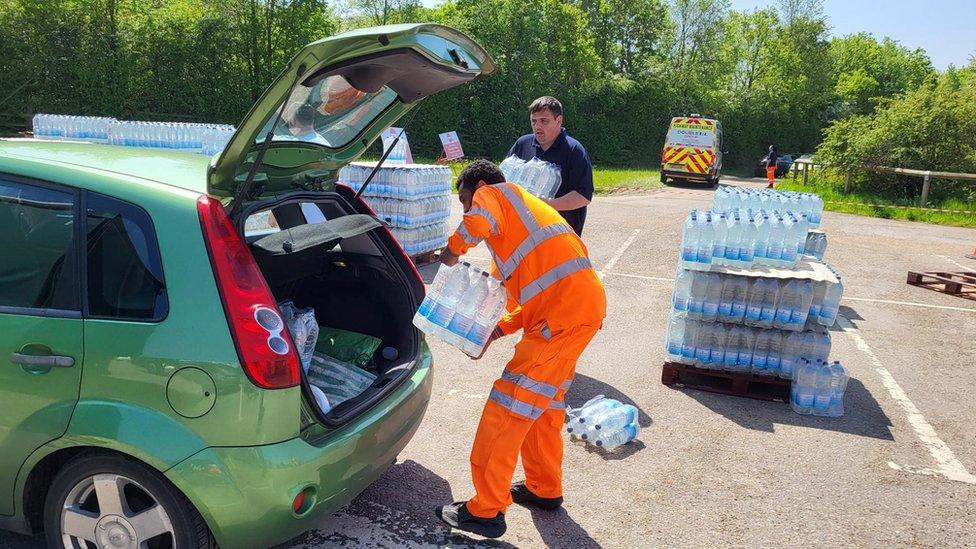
(550,142)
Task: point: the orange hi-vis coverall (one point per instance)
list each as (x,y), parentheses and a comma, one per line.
(559,302)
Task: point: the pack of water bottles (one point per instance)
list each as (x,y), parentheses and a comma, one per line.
(77,128)
(818,388)
(333,381)
(603,422)
(816,245)
(538,177)
(411,214)
(423,239)
(206,139)
(303,327)
(462,307)
(731,198)
(717,346)
(787,304)
(402,181)
(743,238)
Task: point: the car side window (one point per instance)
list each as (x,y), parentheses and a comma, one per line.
(125,272)
(38,256)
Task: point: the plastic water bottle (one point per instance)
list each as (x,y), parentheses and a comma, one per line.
(733,348)
(789,300)
(454,288)
(777,235)
(770,295)
(740,298)
(804,388)
(573,414)
(838,385)
(490,311)
(675,337)
(470,302)
(790,355)
(746,351)
(720,228)
(615,439)
(440,279)
(706,233)
(689,238)
(754,304)
(831,304)
(591,413)
(761,248)
(689,345)
(720,340)
(823,389)
(696,297)
(713,296)
(704,345)
(726,299)
(774,360)
(760,354)
(682,289)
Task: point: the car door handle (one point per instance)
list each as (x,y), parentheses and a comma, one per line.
(42,360)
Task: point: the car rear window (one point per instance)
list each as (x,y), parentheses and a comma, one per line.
(38,264)
(125,272)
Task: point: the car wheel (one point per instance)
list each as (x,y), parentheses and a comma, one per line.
(664,179)
(112,501)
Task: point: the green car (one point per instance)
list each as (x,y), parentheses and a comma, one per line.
(150,395)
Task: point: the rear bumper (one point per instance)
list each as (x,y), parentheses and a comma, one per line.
(674,174)
(246,494)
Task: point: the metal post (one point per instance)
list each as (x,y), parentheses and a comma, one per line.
(806,172)
(925,190)
(847,182)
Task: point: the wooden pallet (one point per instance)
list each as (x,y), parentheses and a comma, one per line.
(727,383)
(959,284)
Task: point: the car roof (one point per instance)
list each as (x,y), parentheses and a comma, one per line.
(178,169)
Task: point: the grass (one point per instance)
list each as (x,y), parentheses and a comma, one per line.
(605,180)
(610,180)
(831,189)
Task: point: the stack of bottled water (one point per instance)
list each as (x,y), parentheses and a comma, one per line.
(423,239)
(77,128)
(603,422)
(818,388)
(414,199)
(786,304)
(742,238)
(411,214)
(730,198)
(206,139)
(538,177)
(462,307)
(717,346)
(816,245)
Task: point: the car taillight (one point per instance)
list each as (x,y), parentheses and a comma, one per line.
(263,343)
(406,258)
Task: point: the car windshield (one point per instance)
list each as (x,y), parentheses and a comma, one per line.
(330,113)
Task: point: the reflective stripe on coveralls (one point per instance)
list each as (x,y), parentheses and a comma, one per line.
(463,231)
(486,215)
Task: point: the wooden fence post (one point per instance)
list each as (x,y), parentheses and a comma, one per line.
(806,172)
(796,170)
(924,199)
(847,182)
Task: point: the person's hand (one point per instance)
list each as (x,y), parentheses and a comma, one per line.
(495,334)
(448,257)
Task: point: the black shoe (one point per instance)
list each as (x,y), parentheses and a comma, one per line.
(457,516)
(522,495)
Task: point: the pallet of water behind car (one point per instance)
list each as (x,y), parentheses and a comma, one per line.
(959,284)
(741,384)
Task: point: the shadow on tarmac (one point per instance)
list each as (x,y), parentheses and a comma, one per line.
(558,529)
(863,415)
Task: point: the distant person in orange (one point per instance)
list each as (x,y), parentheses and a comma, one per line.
(557,300)
(770,161)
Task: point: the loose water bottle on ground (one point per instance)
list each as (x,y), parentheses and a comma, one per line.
(615,439)
(804,387)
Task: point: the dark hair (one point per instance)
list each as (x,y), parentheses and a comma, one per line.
(479,170)
(549,103)
(305,115)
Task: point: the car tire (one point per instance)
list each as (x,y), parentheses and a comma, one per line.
(122,501)
(664,179)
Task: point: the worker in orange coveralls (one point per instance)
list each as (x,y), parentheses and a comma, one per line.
(556,298)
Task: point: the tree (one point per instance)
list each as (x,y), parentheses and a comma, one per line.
(867,70)
(628,34)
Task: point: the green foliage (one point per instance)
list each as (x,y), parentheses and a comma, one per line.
(622,69)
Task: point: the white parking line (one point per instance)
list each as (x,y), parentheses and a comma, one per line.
(620,252)
(948,465)
(910,303)
(641,277)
